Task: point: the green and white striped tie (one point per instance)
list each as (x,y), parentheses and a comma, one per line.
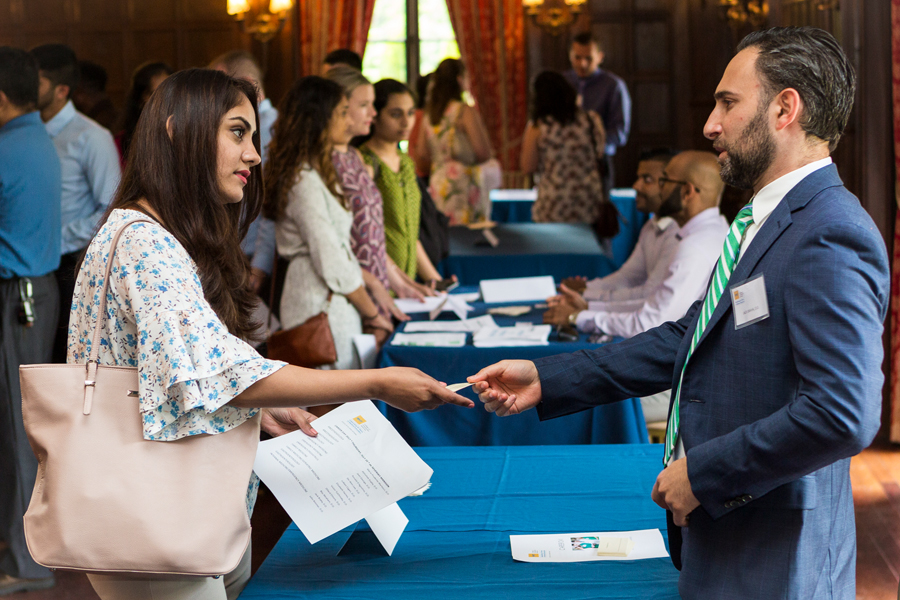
(728,258)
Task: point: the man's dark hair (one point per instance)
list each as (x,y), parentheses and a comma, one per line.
(18,77)
(586,38)
(553,98)
(57,63)
(91,76)
(812,62)
(663,155)
(344,56)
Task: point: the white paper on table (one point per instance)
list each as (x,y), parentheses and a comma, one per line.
(365,351)
(467,296)
(355,467)
(538,335)
(388,524)
(446,302)
(431,339)
(518,289)
(466,325)
(514,195)
(561,547)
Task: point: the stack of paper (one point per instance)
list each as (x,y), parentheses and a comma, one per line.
(517,289)
(580,547)
(466,325)
(512,336)
(434,305)
(433,340)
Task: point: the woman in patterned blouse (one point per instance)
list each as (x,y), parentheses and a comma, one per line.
(395,175)
(367,236)
(179,301)
(563,143)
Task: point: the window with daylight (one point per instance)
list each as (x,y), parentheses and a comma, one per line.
(408,38)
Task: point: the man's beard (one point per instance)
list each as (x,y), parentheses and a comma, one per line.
(751,155)
(671,206)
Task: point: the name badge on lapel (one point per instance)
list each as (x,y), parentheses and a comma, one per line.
(749,302)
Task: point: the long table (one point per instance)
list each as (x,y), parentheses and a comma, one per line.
(619,423)
(456,545)
(558,249)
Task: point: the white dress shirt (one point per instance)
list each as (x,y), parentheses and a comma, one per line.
(644,270)
(764,203)
(90,174)
(685,282)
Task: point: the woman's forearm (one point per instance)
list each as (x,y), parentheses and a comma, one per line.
(424,267)
(296,386)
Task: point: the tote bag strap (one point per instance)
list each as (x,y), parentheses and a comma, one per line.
(91,375)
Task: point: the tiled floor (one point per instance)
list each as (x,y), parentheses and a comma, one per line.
(876,493)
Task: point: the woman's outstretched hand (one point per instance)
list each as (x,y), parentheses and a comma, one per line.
(279,421)
(411,390)
(508,387)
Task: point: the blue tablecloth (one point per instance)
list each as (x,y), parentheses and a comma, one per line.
(456,545)
(526,249)
(619,423)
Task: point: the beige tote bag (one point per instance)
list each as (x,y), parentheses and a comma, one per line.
(106,500)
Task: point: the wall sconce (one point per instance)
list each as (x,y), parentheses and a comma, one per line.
(739,13)
(553,15)
(266,25)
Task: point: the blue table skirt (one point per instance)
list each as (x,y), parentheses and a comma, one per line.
(456,545)
(558,249)
(618,423)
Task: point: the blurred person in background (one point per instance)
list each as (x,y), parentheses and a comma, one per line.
(563,144)
(145,79)
(90,96)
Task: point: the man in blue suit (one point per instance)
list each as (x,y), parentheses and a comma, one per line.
(776,373)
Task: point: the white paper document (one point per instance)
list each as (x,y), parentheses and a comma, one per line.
(537,335)
(518,289)
(435,305)
(466,325)
(581,547)
(430,340)
(356,467)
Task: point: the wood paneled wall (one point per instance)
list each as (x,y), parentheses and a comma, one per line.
(122,34)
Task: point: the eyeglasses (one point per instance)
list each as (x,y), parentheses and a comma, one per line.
(665,180)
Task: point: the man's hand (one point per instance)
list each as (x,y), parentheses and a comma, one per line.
(577,284)
(508,387)
(558,314)
(672,491)
(278,421)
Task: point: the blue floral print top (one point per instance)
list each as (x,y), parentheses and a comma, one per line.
(159,321)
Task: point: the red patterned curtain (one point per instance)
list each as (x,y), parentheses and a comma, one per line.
(491,37)
(327,25)
(895,280)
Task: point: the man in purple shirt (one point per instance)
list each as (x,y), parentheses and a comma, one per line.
(602,92)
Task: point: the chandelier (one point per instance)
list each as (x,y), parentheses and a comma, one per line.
(553,15)
(740,13)
(266,25)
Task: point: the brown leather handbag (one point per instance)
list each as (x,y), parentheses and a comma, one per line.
(108,501)
(310,344)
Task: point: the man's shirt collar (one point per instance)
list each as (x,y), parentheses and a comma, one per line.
(765,201)
(61,119)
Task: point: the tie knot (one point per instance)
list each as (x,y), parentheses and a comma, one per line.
(745,214)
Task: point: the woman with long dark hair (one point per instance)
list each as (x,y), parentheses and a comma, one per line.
(179,300)
(453,145)
(144,81)
(563,143)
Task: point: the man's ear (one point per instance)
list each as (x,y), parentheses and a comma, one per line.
(61,91)
(170,126)
(788,106)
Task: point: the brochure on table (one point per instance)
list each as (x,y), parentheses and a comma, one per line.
(465,325)
(582,547)
(358,467)
(434,305)
(517,289)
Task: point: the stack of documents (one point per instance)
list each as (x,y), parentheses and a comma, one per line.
(432,340)
(537,335)
(580,547)
(466,325)
(434,305)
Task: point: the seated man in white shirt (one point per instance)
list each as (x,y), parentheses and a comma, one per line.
(692,178)
(646,266)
